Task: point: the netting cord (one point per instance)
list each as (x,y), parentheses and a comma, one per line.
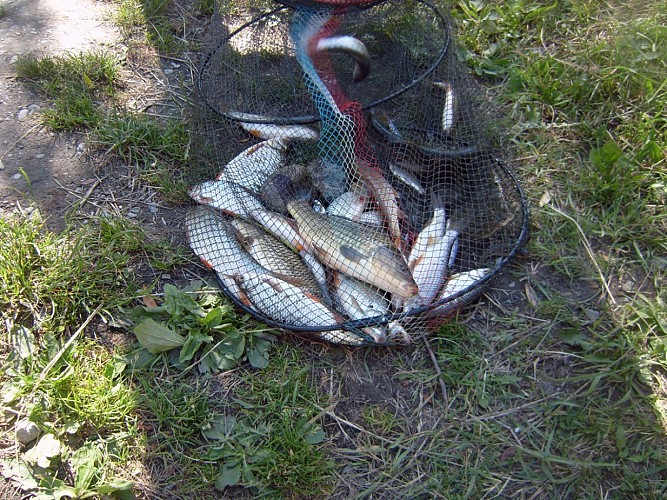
(306,119)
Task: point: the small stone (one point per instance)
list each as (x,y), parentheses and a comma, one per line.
(628,286)
(166,276)
(22,114)
(33,108)
(2,165)
(16,177)
(13,59)
(152,209)
(168,71)
(26,431)
(133,212)
(592,314)
(40,156)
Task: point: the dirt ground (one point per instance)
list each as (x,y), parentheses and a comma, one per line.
(37,166)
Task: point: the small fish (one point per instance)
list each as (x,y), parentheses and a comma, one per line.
(372,218)
(261,127)
(450,107)
(457,283)
(253,166)
(352,46)
(352,248)
(360,301)
(212,239)
(270,197)
(273,255)
(350,205)
(385,196)
(407,178)
(227,196)
(432,231)
(285,302)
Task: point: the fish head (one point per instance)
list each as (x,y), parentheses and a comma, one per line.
(391,267)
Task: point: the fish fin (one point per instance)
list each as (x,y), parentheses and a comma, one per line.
(206,263)
(273,284)
(351,253)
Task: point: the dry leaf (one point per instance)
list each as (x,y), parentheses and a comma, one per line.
(545,199)
(149,301)
(531,295)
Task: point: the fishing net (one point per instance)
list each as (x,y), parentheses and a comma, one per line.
(353,191)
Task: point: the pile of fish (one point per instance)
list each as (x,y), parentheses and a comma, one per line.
(304,262)
(313,247)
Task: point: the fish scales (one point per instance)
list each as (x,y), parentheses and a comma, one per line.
(355,249)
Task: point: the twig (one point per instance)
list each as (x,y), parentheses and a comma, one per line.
(29,131)
(589,250)
(438,371)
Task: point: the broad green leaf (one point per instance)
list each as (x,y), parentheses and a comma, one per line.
(218,452)
(315,435)
(85,463)
(47,448)
(257,358)
(157,337)
(19,472)
(213,318)
(177,301)
(228,477)
(222,428)
(122,489)
(193,342)
(23,341)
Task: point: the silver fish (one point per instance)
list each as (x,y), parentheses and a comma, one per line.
(360,301)
(260,127)
(355,249)
(430,233)
(286,303)
(350,205)
(212,239)
(449,108)
(227,196)
(285,230)
(352,46)
(372,218)
(253,166)
(457,283)
(273,255)
(408,178)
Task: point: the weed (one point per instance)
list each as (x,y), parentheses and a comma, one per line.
(74,82)
(160,151)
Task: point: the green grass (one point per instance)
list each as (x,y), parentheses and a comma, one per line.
(75,83)
(560,393)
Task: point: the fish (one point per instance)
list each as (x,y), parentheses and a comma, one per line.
(253,166)
(372,218)
(359,301)
(229,197)
(350,205)
(352,46)
(350,247)
(285,230)
(408,178)
(274,256)
(385,196)
(213,240)
(455,284)
(285,302)
(450,107)
(269,196)
(262,128)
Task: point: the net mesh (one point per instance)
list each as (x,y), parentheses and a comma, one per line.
(353,193)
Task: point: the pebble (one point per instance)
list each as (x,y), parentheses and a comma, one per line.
(168,71)
(16,177)
(22,114)
(133,212)
(2,165)
(26,431)
(33,108)
(152,208)
(40,156)
(628,286)
(13,59)
(166,276)
(592,314)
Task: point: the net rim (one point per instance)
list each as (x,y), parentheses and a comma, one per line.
(459,299)
(310,119)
